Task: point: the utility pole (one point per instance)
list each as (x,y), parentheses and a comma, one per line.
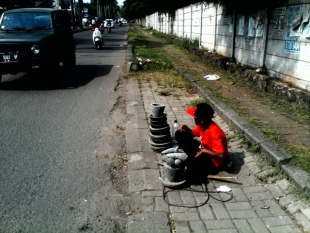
(105,12)
(72,14)
(81,7)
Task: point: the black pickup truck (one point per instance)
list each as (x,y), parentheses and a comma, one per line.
(35,37)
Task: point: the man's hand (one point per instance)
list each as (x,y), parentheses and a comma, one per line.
(209,153)
(198,153)
(184,128)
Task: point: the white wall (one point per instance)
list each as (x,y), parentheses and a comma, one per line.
(252,39)
(208,23)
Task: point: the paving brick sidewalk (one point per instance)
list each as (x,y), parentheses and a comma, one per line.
(253,208)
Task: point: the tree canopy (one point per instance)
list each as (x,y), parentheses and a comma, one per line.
(104,8)
(133,9)
(10,4)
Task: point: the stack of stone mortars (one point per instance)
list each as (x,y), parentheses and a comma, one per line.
(160,137)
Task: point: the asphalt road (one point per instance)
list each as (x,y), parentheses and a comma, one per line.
(55,144)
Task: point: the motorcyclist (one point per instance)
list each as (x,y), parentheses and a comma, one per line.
(97,34)
(109,25)
(93,21)
(101,28)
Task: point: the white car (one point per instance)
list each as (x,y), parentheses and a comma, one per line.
(112,23)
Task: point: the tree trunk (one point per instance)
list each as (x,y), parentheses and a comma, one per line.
(81,8)
(72,14)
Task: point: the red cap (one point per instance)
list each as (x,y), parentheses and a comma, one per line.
(191,111)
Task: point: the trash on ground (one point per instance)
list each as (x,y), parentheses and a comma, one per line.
(223,188)
(212,77)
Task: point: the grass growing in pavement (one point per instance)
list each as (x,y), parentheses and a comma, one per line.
(155,65)
(197,101)
(146,53)
(301,195)
(169,81)
(165,92)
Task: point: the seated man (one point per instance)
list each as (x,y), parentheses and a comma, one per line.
(210,154)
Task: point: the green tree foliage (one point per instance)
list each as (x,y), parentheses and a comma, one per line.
(92,8)
(11,4)
(107,2)
(133,9)
(244,6)
(108,8)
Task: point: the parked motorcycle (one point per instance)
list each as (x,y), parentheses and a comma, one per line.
(97,38)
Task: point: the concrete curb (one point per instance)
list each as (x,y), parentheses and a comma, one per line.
(277,154)
(131,66)
(129,52)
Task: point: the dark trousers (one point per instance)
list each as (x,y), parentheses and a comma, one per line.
(200,166)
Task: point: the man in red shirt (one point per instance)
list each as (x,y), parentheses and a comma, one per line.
(210,154)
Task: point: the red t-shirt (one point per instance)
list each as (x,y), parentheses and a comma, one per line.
(213,139)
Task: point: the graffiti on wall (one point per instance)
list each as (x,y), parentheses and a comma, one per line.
(251,27)
(249,40)
(297,28)
(292,46)
(279,16)
(240,30)
(295,15)
(259,25)
(306,31)
(224,14)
